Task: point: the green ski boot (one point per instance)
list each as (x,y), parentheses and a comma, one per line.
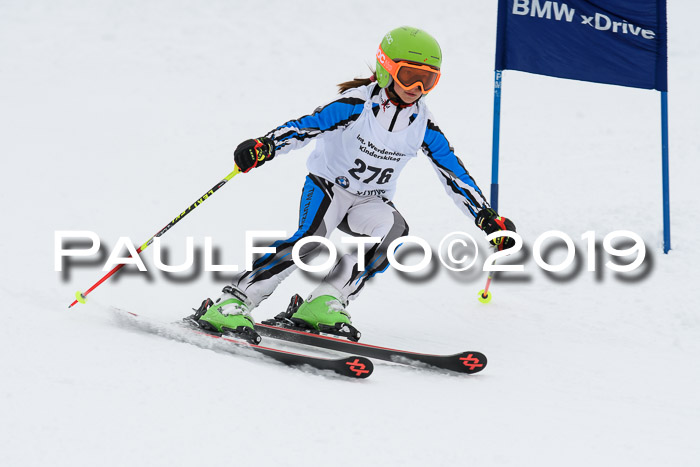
(229,315)
(325,312)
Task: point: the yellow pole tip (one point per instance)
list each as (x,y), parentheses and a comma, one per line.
(80,297)
(484,297)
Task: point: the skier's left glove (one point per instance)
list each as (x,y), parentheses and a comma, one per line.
(253,153)
(489,221)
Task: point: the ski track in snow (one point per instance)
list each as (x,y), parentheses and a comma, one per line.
(118,115)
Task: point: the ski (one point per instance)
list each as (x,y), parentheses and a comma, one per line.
(465,362)
(285,327)
(351,366)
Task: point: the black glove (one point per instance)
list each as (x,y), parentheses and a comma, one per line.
(489,221)
(252,153)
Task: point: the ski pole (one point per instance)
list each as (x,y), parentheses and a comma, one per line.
(484,294)
(80,296)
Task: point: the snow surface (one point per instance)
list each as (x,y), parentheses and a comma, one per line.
(115,116)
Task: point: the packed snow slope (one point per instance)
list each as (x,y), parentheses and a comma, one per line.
(116,116)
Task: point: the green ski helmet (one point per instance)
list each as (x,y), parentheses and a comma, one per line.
(407,43)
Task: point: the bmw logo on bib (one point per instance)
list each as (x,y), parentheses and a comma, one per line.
(342,181)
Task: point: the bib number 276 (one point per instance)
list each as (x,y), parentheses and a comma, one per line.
(384,175)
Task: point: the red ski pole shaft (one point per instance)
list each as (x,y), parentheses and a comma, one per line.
(488,284)
(80,296)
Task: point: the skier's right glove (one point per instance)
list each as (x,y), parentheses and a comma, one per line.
(253,153)
(489,221)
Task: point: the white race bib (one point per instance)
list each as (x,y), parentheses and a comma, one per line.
(365,158)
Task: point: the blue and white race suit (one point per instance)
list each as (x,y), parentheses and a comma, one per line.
(363,142)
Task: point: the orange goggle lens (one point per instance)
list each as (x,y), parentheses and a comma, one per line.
(409,77)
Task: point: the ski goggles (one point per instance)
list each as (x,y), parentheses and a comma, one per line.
(409,75)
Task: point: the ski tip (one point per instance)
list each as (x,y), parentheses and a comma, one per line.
(470,362)
(357,367)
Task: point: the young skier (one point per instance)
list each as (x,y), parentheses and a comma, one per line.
(364,138)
